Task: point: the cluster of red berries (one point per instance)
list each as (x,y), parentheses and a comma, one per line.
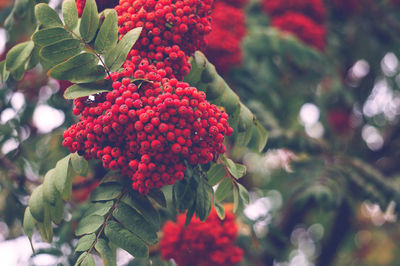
(101,5)
(303,18)
(224,42)
(207,244)
(152,124)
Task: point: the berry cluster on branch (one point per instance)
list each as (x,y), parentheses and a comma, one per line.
(151,125)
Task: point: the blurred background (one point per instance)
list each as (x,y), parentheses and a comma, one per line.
(322,77)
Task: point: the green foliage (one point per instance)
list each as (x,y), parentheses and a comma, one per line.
(82,90)
(70,14)
(89,21)
(47,16)
(108,34)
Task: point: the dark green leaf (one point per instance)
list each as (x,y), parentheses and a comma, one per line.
(108,34)
(223,189)
(215,174)
(204,196)
(47,16)
(158,196)
(243,193)
(61,50)
(29,224)
(235,198)
(117,56)
(190,213)
(49,36)
(82,68)
(124,239)
(81,258)
(105,252)
(85,89)
(49,188)
(220,210)
(143,205)
(99,208)
(45,228)
(57,211)
(88,261)
(18,56)
(63,179)
(4,74)
(36,203)
(259,137)
(233,168)
(89,224)
(70,13)
(79,164)
(135,222)
(85,242)
(19,73)
(106,191)
(89,21)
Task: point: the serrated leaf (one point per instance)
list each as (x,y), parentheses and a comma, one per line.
(85,89)
(89,224)
(61,50)
(79,164)
(36,204)
(29,225)
(215,174)
(49,188)
(89,21)
(88,261)
(81,68)
(105,252)
(243,193)
(85,242)
(204,195)
(63,179)
(47,16)
(143,205)
(158,196)
(18,56)
(49,36)
(108,34)
(220,210)
(124,239)
(223,189)
(106,191)
(117,56)
(70,13)
(135,222)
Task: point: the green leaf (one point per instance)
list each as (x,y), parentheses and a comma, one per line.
(105,252)
(135,222)
(61,50)
(204,196)
(81,258)
(143,205)
(89,21)
(220,210)
(36,203)
(243,193)
(49,188)
(240,170)
(158,196)
(117,56)
(106,191)
(88,261)
(70,13)
(47,16)
(190,213)
(45,228)
(57,211)
(89,225)
(236,170)
(85,242)
(79,164)
(49,36)
(215,174)
(29,225)
(235,198)
(4,74)
(124,239)
(82,68)
(19,55)
(223,189)
(63,179)
(259,137)
(85,89)
(108,34)
(99,208)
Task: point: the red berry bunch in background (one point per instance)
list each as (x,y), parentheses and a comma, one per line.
(101,5)
(224,42)
(208,243)
(150,129)
(303,18)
